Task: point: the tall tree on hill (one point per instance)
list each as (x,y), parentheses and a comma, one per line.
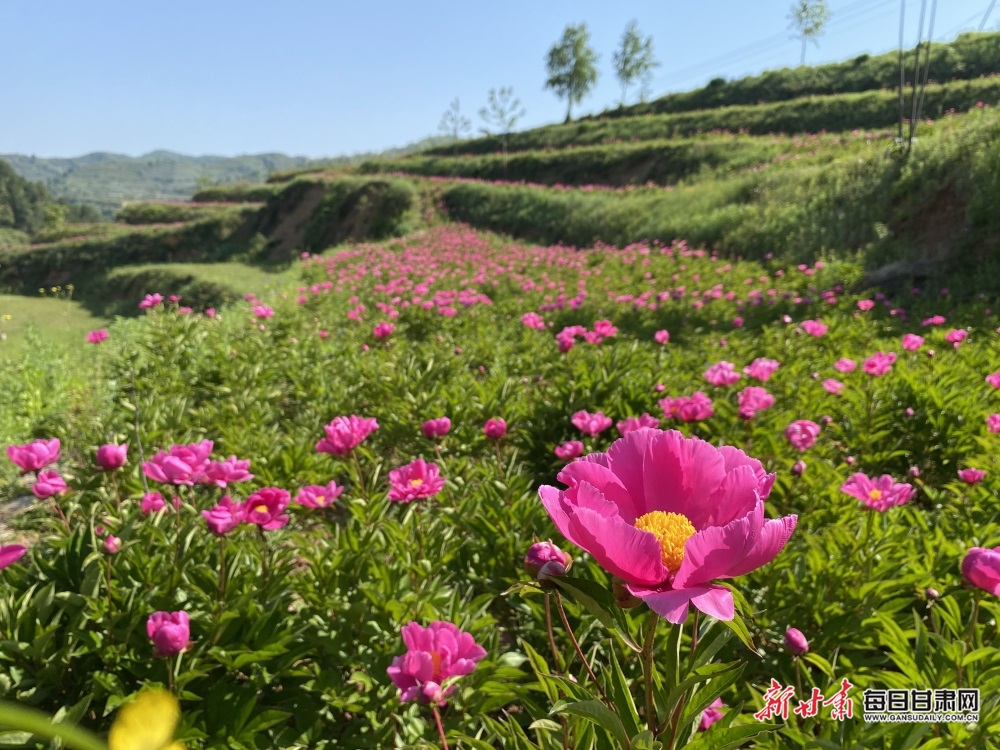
(571,66)
(502,114)
(634,60)
(808,18)
(453,123)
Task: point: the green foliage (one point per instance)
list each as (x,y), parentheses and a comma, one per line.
(634,60)
(836,113)
(808,18)
(23,204)
(971,55)
(171,213)
(571,66)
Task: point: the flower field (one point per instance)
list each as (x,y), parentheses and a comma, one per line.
(457,490)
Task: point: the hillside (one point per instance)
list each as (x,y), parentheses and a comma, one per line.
(106,180)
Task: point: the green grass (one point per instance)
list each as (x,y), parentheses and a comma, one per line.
(58,321)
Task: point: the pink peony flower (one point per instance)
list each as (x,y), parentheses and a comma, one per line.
(591,424)
(316,496)
(865,304)
(96,337)
(845,365)
(170,632)
(436,428)
(814,327)
(761,369)
(112,544)
(569,450)
(150,301)
(878,494)
(631,424)
(266,508)
(49,483)
(546,559)
(669,515)
(221,473)
(435,657)
(533,320)
(10,554)
(181,465)
(833,386)
(262,311)
(224,517)
(722,373)
(662,337)
(604,329)
(152,502)
(495,428)
(802,434)
(415,481)
(971,476)
(694,408)
(935,321)
(993,423)
(795,642)
(981,568)
(344,434)
(956,336)
(383,330)
(912,342)
(879,363)
(710,715)
(111,457)
(34,456)
(993,379)
(753,399)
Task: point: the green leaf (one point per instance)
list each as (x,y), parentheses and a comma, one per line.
(596,712)
(622,696)
(600,602)
(728,738)
(645,741)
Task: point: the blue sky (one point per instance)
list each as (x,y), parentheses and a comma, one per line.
(327,77)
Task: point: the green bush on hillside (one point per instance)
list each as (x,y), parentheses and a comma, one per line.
(845,112)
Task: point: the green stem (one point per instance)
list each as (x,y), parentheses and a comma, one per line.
(869,523)
(39,724)
(437,720)
(552,638)
(579,652)
(647,669)
(361,476)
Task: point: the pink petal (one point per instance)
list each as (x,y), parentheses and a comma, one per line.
(717,602)
(770,541)
(679,474)
(735,498)
(712,552)
(606,481)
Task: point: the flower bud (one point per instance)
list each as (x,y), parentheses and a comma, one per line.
(932,595)
(795,642)
(112,544)
(111,457)
(799,468)
(544,559)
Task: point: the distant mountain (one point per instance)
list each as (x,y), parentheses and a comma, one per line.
(105,180)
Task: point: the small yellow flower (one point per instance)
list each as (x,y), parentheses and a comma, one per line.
(147,723)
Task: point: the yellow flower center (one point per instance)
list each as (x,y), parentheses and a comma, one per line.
(416,482)
(671,530)
(320,499)
(875,494)
(260,509)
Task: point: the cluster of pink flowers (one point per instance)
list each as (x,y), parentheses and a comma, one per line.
(761,369)
(591,424)
(190,465)
(753,399)
(694,408)
(344,434)
(814,327)
(722,374)
(879,363)
(631,424)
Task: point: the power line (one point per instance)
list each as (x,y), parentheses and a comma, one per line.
(856,14)
(982,24)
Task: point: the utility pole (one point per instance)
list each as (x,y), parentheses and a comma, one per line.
(986,17)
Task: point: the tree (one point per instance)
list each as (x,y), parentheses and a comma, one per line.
(571,66)
(808,17)
(634,60)
(502,114)
(453,123)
